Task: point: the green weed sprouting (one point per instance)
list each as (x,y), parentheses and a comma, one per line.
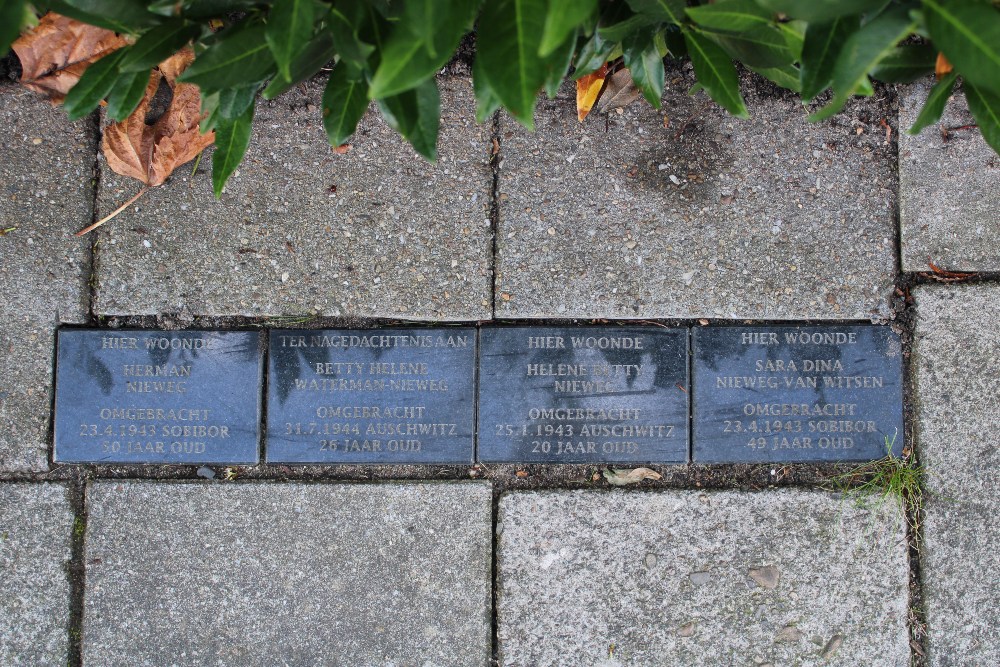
(890,478)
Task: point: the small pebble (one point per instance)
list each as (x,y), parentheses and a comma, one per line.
(700,578)
(766,577)
(789,633)
(832,646)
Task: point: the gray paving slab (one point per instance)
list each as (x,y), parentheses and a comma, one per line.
(301,230)
(36,526)
(956,378)
(949,188)
(288,574)
(688,212)
(46,181)
(690,578)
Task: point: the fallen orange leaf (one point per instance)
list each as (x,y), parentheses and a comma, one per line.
(55,53)
(588,89)
(151,152)
(941,66)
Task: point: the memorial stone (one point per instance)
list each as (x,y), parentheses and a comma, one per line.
(395,396)
(583,395)
(129,396)
(787,394)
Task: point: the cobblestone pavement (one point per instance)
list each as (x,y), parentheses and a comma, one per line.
(678,216)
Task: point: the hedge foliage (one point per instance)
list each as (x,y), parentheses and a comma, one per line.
(388,51)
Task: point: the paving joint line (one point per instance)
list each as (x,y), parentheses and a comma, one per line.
(495,160)
(236,323)
(750,477)
(94,121)
(495,578)
(969,278)
(77,573)
(906,324)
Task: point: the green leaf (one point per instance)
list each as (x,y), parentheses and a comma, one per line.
(865,88)
(289,27)
(643,61)
(95,84)
(562,19)
(819,11)
(409,58)
(715,72)
(126,16)
(11,18)
(557,65)
(197,10)
(416,114)
(209,112)
(158,44)
(936,101)
(307,63)
(820,51)
(232,137)
(510,32)
(985,108)
(786,76)
(737,16)
(387,8)
(594,53)
(233,102)
(669,11)
(345,25)
(861,53)
(968,32)
(763,46)
(487,101)
(878,7)
(620,22)
(439,24)
(660,40)
(344,103)
(795,34)
(126,94)
(240,56)
(906,63)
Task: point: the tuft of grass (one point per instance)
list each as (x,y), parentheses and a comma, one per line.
(890,478)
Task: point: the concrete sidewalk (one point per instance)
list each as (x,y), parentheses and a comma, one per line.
(682,214)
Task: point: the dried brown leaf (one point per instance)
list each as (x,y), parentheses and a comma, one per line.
(945,276)
(151,152)
(56,52)
(623,477)
(619,92)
